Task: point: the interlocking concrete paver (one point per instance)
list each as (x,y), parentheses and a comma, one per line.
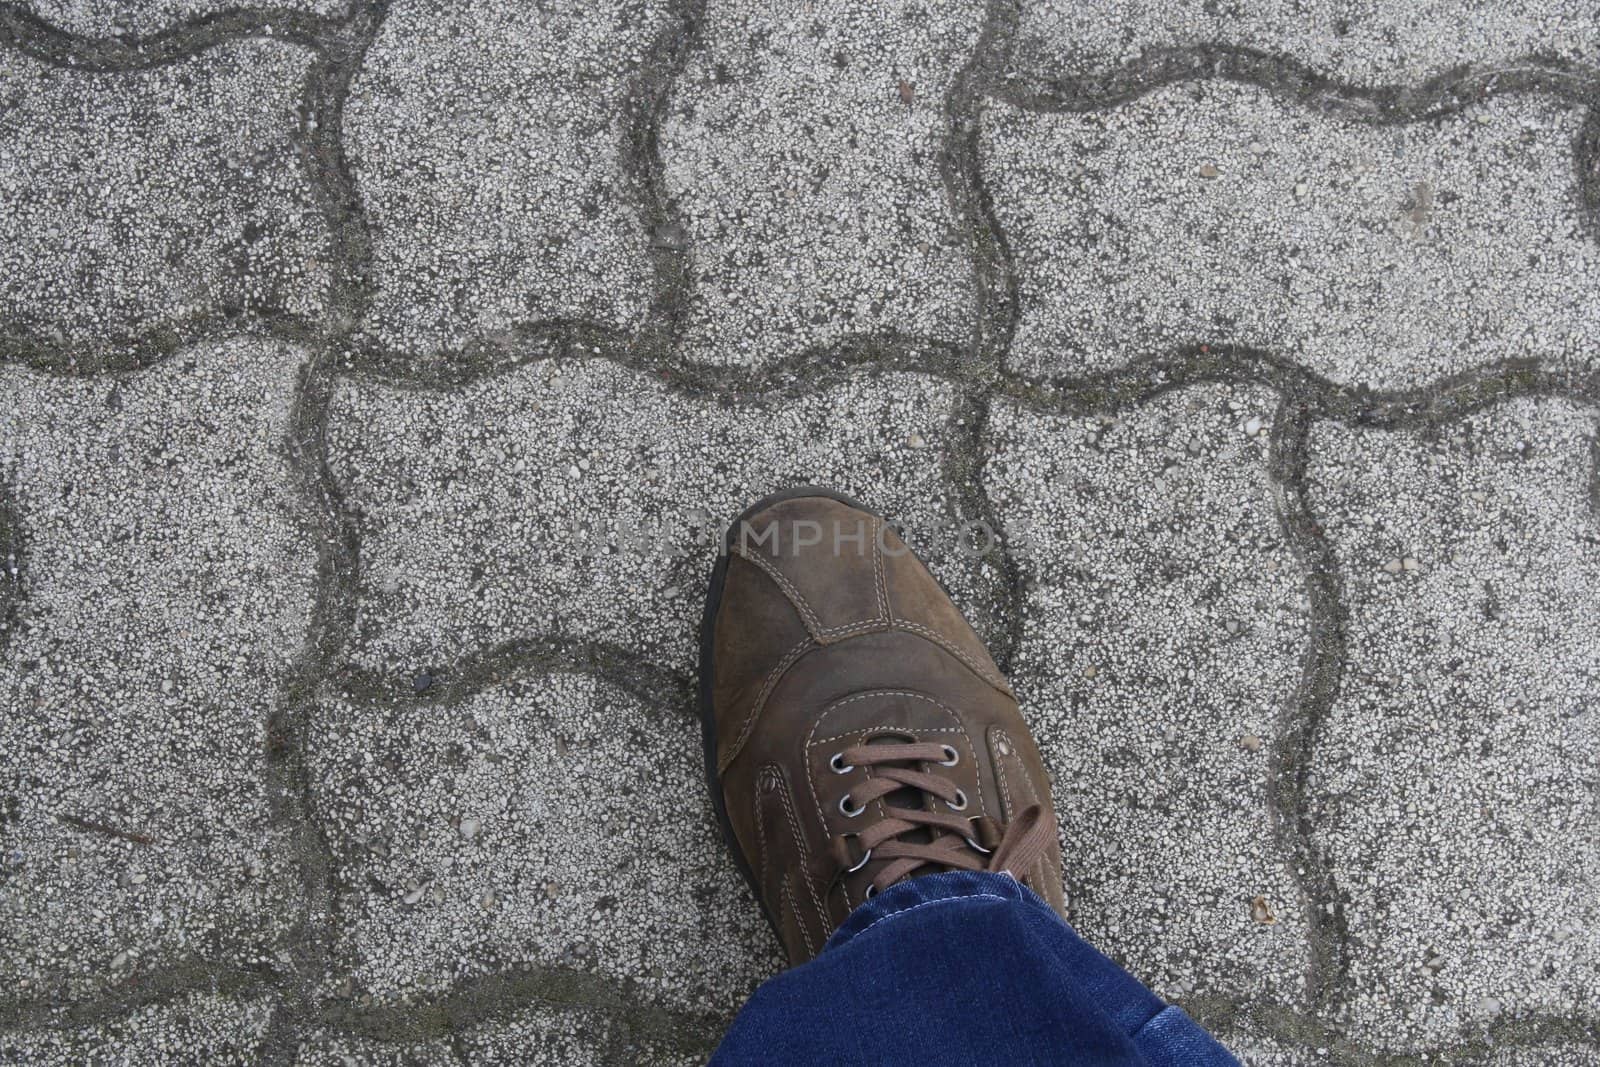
(552,1037)
(327,733)
(10,566)
(580,501)
(211,1028)
(486,141)
(1212,213)
(332,1049)
(1551,1054)
(537,1034)
(1259,1050)
(109,18)
(555,823)
(167,589)
(1164,627)
(803,147)
(1351,40)
(141,205)
(1454,784)
(549,1037)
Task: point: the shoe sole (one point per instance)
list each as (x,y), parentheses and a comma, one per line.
(708,721)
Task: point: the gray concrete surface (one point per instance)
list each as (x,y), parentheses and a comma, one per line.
(1437,791)
(136,215)
(485,142)
(1380,256)
(167,581)
(347,351)
(786,108)
(1163,622)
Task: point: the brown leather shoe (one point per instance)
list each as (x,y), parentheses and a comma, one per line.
(857,732)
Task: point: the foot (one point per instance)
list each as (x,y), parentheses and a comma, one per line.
(857,731)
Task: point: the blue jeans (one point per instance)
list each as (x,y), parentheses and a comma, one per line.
(962,968)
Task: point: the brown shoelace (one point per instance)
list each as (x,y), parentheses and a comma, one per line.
(952,841)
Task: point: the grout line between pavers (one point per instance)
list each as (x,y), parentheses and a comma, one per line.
(290,783)
(995,314)
(1308,1031)
(140,990)
(649,95)
(659,689)
(1586,167)
(1321,673)
(290,792)
(12,556)
(23,347)
(25,32)
(498,996)
(1291,79)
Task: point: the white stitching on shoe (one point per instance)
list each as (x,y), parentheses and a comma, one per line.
(805,858)
(813,624)
(822,634)
(972,752)
(1041,868)
(828,637)
(805,935)
(885,727)
(1006,807)
(869,696)
(950,647)
(761,701)
(761,843)
(877,567)
(761,829)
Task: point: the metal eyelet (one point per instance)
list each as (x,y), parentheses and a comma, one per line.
(973,841)
(862,862)
(951,757)
(849,812)
(838,765)
(959,803)
(870,893)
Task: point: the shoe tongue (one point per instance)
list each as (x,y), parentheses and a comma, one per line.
(908,797)
(885,712)
(891,717)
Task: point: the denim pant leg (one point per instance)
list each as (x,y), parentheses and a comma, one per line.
(962,968)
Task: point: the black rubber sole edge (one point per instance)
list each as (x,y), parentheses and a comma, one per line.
(708,721)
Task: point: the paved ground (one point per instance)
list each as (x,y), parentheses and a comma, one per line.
(345,352)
